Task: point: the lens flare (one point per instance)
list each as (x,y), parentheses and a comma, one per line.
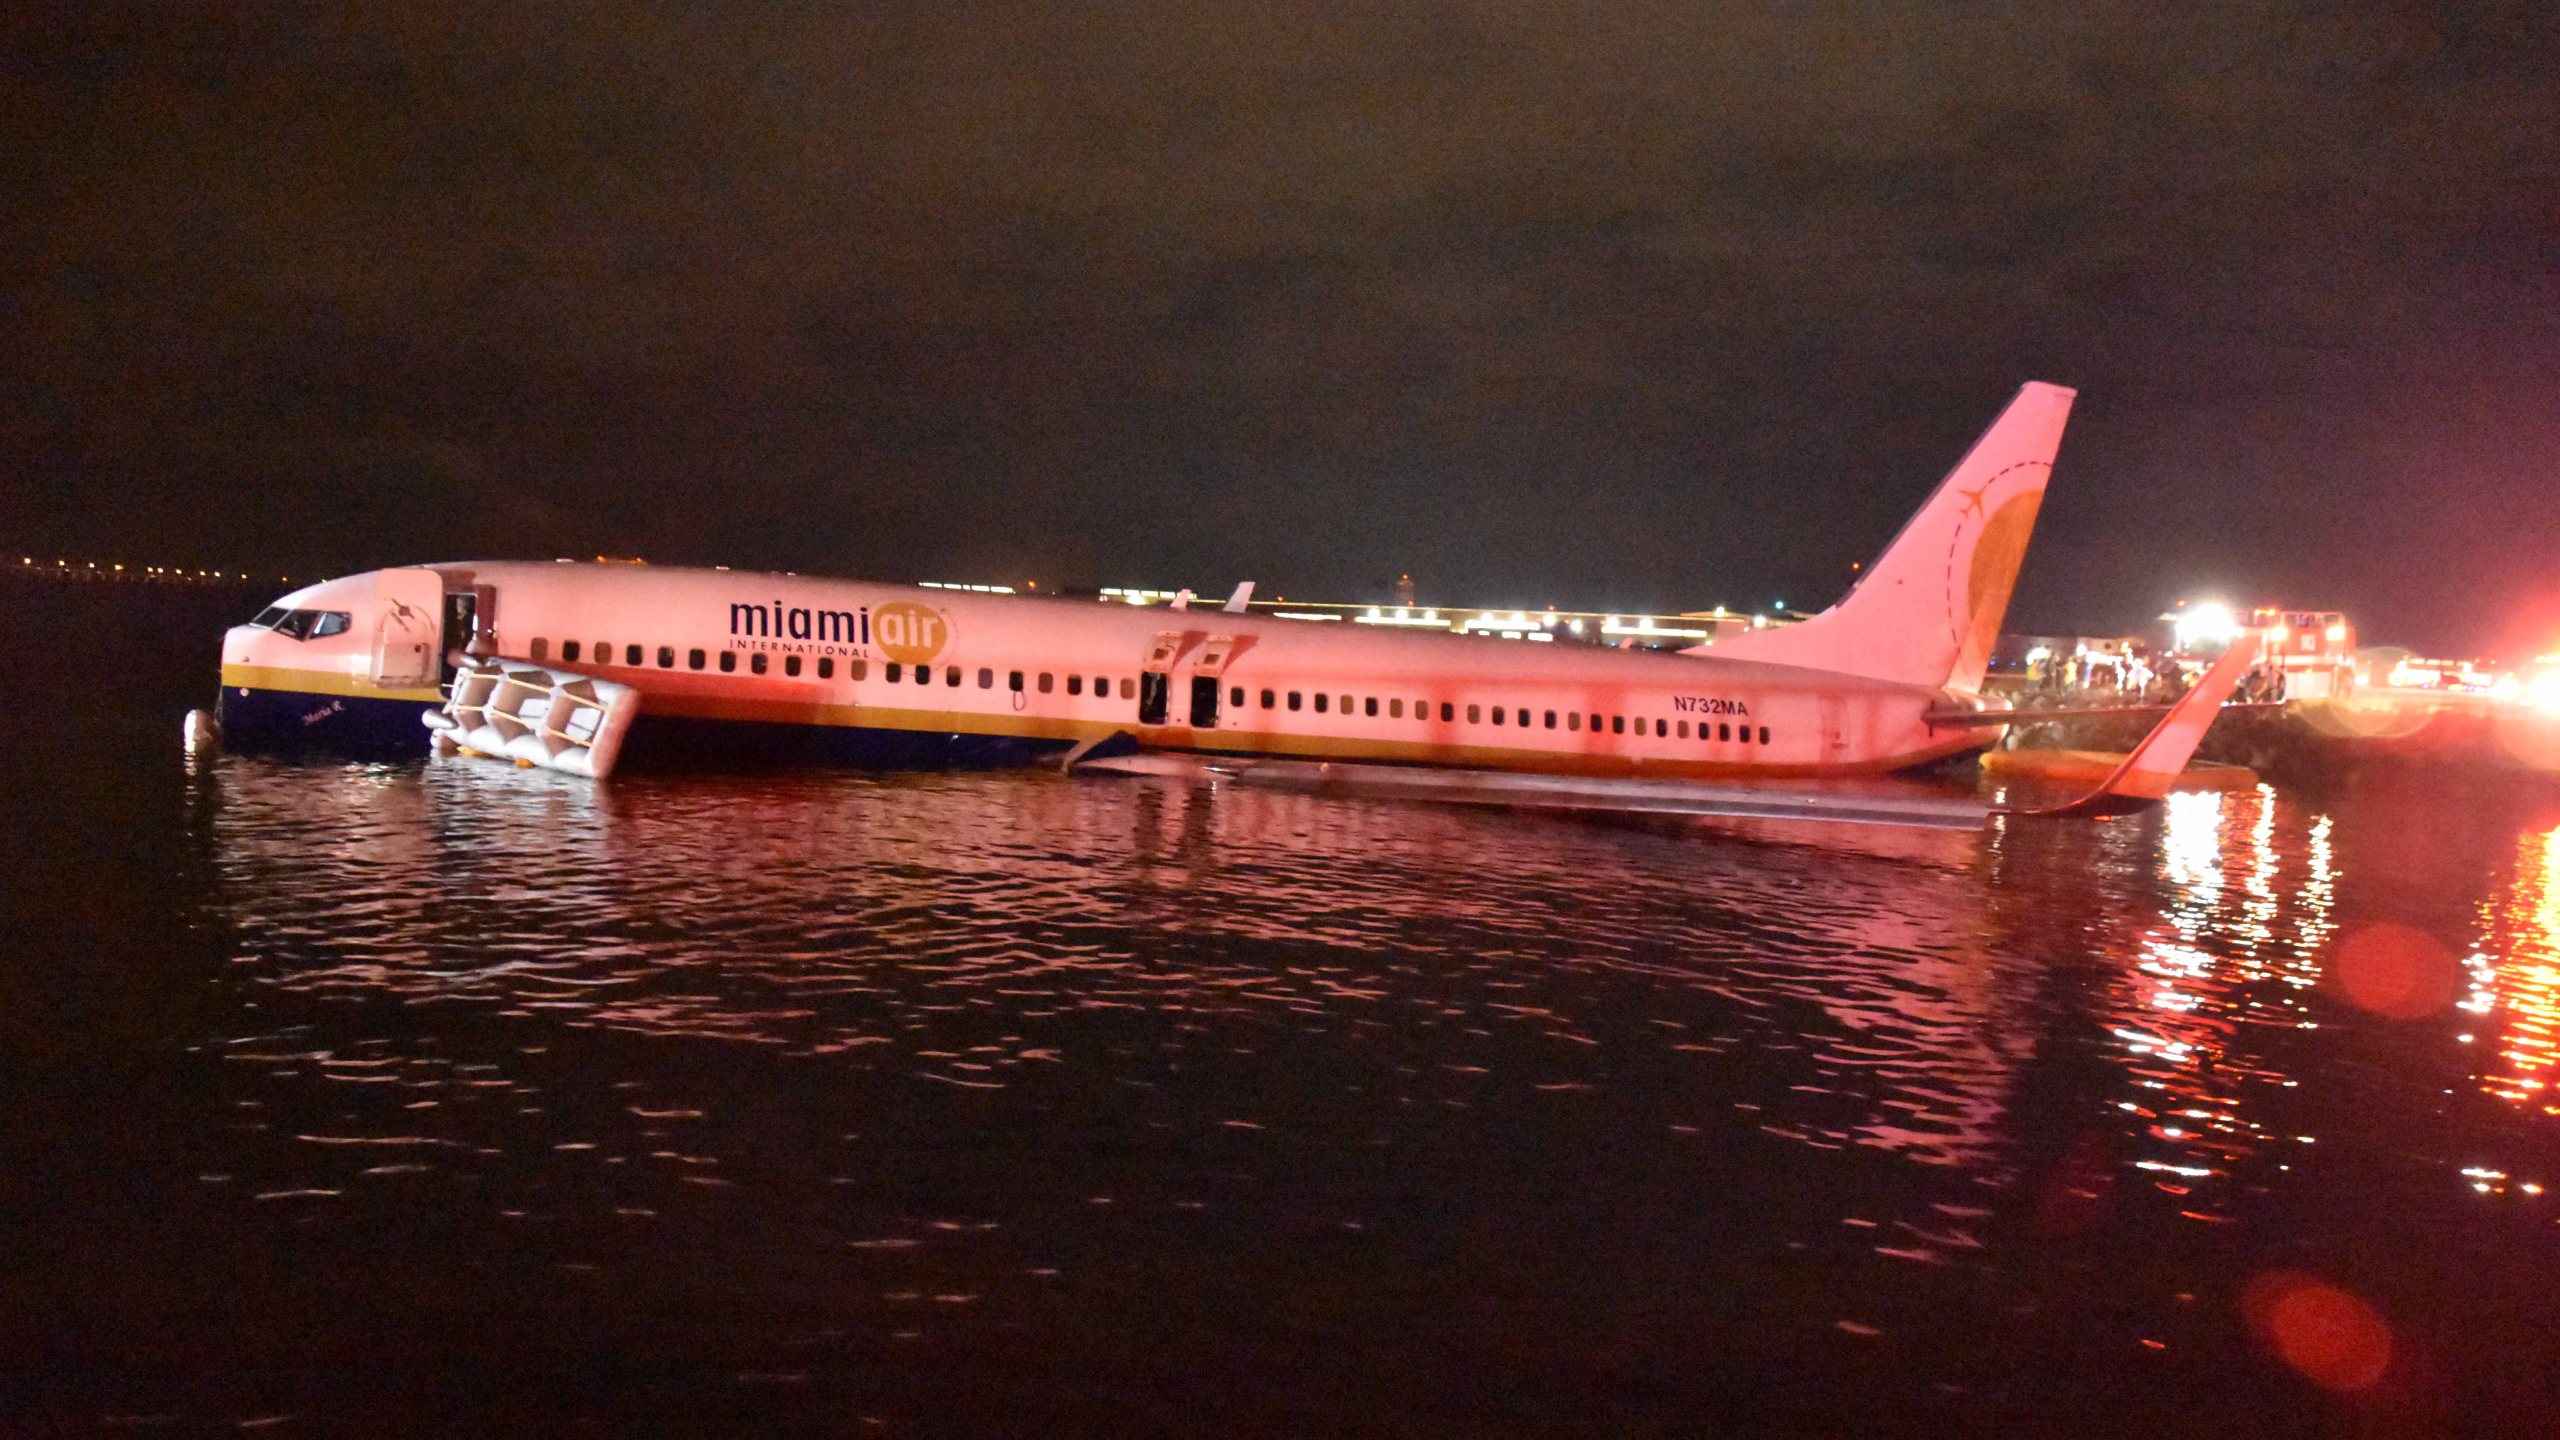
(2330,1337)
(2395,971)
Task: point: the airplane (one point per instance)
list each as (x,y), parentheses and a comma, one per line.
(735,665)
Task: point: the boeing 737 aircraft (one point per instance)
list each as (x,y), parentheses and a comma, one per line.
(737,664)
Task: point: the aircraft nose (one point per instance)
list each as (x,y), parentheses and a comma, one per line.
(241,644)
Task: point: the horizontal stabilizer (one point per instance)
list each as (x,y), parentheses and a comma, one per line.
(2147,773)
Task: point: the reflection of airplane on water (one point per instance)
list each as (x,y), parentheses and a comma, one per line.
(732,664)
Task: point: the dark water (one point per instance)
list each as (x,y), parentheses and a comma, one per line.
(459,1100)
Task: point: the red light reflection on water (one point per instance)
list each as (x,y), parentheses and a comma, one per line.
(2519,979)
(2247,910)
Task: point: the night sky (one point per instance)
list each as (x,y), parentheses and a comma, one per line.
(1615,306)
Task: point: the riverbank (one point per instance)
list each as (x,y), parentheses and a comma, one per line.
(2320,739)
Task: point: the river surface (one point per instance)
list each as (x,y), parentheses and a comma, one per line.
(453,1099)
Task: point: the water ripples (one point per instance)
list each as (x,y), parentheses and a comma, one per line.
(969,1033)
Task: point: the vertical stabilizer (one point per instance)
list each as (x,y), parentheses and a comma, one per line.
(1928,611)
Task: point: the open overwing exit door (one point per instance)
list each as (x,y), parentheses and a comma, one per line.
(1155,678)
(1206,672)
(408,621)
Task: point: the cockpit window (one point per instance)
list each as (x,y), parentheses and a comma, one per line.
(268,617)
(305,624)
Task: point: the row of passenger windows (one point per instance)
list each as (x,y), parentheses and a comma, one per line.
(1520,715)
(1394,708)
(638,656)
(1014,680)
(760,663)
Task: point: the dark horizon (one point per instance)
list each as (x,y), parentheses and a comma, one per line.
(1646,311)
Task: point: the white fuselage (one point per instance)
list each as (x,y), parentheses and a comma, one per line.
(747,654)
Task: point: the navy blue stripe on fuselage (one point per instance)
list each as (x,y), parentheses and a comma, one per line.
(300,723)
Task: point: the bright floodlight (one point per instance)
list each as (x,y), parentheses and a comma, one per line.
(2206,625)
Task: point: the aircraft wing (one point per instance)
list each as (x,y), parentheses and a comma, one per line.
(2138,783)
(1876,803)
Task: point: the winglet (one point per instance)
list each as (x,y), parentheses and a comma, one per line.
(1243,597)
(2146,774)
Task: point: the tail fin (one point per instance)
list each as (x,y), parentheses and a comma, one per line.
(2146,774)
(1928,611)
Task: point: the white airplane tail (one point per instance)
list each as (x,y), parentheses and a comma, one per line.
(1928,611)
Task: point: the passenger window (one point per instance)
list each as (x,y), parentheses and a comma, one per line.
(1075,686)
(1764,734)
(1012,680)
(950,675)
(896,672)
(1293,699)
(604,652)
(666,657)
(1497,714)
(1551,719)
(1235,693)
(568,651)
(1448,711)
(693,659)
(826,668)
(1475,714)
(1369,706)
(858,670)
(1128,688)
(1724,731)
(630,654)
(924,674)
(1046,682)
(1573,720)
(535,651)
(1617,724)
(1346,704)
(986,678)
(1661,729)
(1684,730)
(1268,699)
(1321,699)
(756,662)
(1395,709)
(728,661)
(790,664)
